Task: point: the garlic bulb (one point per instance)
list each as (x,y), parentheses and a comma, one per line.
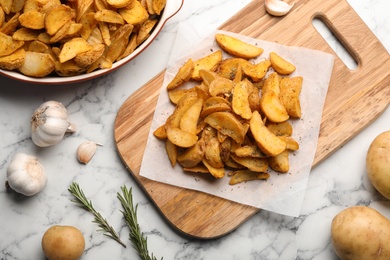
(26,175)
(49,123)
(86,151)
(277,7)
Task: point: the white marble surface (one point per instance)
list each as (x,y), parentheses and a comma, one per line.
(338,182)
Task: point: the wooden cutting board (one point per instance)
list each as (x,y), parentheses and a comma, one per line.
(355,98)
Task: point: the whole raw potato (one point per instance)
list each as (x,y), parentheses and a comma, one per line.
(378,163)
(63,243)
(361,233)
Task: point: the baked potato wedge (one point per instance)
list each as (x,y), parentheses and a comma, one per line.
(190,118)
(158,6)
(8,45)
(89,23)
(251,163)
(6,5)
(72,48)
(227,124)
(176,94)
(119,41)
(130,47)
(230,67)
(281,65)
(290,89)
(206,63)
(172,152)
(291,143)
(220,86)
(57,17)
(109,16)
(240,100)
(83,7)
(181,138)
(183,75)
(280,129)
(33,19)
(240,176)
(272,107)
(68,68)
(134,13)
(11,25)
(145,30)
(160,132)
(212,153)
(14,60)
(280,162)
(268,143)
(219,107)
(200,168)
(237,47)
(217,173)
(207,76)
(272,82)
(192,156)
(87,58)
(37,64)
(252,151)
(257,71)
(25,34)
(119,3)
(183,105)
(17,6)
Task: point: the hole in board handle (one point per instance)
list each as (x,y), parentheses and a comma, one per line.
(337,46)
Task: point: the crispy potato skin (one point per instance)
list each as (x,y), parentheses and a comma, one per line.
(378,163)
(360,233)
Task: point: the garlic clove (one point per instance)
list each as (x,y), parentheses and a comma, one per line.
(277,7)
(26,175)
(86,151)
(49,123)
(71,128)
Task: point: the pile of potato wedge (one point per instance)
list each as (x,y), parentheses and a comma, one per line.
(236,119)
(68,38)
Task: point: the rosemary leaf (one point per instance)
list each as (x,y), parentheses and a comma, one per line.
(136,237)
(86,204)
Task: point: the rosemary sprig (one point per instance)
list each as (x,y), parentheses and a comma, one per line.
(84,203)
(130,215)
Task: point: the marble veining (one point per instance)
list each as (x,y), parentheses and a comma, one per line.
(338,182)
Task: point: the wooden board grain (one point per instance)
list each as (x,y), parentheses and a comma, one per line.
(355,98)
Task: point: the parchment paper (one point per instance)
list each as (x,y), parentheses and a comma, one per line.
(281,193)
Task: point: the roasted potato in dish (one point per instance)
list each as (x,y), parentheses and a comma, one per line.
(79,36)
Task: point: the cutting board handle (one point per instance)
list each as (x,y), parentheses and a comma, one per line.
(349,29)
